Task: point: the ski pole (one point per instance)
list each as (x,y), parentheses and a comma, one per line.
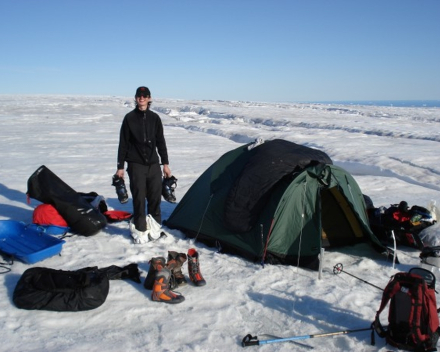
(339,268)
(250,340)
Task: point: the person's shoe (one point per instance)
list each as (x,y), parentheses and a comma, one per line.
(175,262)
(156,264)
(121,190)
(194,268)
(154,229)
(139,237)
(161,292)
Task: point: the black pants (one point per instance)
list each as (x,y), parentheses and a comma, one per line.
(145,183)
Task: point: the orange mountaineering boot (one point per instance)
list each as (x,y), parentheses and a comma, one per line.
(174,263)
(194,268)
(156,264)
(161,292)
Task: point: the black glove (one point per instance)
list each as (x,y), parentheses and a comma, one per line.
(130,271)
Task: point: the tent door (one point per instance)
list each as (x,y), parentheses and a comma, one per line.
(339,224)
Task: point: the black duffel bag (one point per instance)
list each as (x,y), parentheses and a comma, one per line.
(59,290)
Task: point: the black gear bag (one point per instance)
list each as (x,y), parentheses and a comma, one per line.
(80,215)
(71,291)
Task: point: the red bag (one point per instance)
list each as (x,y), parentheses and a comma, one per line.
(117,215)
(46,214)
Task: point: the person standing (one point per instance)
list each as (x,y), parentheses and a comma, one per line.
(141,143)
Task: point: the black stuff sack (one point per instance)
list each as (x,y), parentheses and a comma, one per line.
(59,290)
(68,291)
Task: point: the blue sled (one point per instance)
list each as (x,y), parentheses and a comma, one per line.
(27,243)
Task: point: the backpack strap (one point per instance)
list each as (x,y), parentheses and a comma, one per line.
(416,314)
(392,287)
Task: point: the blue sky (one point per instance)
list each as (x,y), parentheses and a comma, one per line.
(280,50)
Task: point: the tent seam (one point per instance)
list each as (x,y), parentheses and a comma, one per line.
(302,222)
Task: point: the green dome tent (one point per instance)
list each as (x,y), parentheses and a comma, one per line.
(275,202)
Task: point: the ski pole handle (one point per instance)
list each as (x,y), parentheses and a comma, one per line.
(250,340)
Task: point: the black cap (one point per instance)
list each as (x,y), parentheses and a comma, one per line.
(143,91)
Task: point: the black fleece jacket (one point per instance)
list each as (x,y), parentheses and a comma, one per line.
(141,139)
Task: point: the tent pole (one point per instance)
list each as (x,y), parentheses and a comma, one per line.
(203,218)
(267,241)
(321,260)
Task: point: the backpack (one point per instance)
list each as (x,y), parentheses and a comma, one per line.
(413,317)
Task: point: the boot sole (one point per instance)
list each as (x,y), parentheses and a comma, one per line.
(173,301)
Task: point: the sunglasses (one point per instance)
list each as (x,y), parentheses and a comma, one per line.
(145,95)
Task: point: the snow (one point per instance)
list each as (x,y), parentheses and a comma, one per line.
(391,151)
